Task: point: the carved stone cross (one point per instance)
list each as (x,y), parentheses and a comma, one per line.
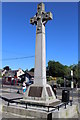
(40,18)
(40,92)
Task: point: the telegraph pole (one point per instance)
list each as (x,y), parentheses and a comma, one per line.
(72,83)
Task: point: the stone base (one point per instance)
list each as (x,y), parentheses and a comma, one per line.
(69,112)
(54,102)
(40,93)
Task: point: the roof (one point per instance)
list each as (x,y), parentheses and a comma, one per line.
(10,73)
(31,74)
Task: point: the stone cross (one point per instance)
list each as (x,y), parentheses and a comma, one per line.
(40,19)
(40,92)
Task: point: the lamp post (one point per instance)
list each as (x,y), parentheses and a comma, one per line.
(64,82)
(72,84)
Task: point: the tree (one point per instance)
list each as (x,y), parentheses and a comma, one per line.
(56,69)
(74,67)
(6,68)
(79,73)
(60,81)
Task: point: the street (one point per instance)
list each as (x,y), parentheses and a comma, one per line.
(14,89)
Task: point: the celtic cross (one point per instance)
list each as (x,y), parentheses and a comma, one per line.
(41,18)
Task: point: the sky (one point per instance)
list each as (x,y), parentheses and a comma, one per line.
(18,35)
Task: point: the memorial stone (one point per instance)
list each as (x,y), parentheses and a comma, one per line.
(40,91)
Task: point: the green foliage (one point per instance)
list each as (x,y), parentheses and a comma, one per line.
(79,73)
(75,70)
(60,80)
(56,69)
(74,67)
(49,78)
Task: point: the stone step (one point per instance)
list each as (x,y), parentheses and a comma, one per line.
(69,112)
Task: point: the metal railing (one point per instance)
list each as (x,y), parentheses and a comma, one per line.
(15,100)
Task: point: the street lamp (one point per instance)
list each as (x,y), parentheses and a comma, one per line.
(64,82)
(72,84)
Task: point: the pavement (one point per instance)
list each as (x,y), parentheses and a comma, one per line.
(11,92)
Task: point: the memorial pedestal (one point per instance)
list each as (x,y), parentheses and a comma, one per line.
(42,95)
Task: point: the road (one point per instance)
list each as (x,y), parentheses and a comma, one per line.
(75,92)
(14,89)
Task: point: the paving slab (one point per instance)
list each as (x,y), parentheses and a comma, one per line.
(11,96)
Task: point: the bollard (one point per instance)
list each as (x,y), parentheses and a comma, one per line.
(8,103)
(26,106)
(65,105)
(49,116)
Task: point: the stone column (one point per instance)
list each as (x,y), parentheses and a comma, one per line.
(40,19)
(40,58)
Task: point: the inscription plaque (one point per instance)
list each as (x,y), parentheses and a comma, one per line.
(35,91)
(49,91)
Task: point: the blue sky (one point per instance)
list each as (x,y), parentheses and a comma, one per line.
(18,35)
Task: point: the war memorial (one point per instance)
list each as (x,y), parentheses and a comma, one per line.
(40,92)
(40,100)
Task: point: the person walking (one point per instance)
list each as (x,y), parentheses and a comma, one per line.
(24,87)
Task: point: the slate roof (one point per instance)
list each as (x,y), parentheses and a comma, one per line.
(31,74)
(10,73)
